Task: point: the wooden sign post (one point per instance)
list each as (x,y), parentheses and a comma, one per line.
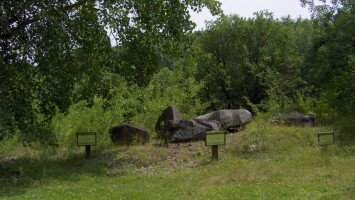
(325,139)
(86,139)
(214,139)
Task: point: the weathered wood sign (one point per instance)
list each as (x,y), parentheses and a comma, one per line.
(325,138)
(214,139)
(86,139)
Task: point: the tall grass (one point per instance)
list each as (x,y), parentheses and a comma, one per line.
(262,161)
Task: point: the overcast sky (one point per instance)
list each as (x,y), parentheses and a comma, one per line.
(246,8)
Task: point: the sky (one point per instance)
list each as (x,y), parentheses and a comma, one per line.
(246,8)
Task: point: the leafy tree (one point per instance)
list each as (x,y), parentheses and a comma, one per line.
(248,59)
(330,67)
(55,52)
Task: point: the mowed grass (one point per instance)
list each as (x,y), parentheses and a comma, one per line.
(260,162)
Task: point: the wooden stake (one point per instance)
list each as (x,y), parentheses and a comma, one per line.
(88,151)
(325,149)
(214,152)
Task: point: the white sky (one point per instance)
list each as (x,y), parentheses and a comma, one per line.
(246,8)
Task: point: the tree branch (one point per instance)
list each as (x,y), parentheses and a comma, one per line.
(13,31)
(14,17)
(74,5)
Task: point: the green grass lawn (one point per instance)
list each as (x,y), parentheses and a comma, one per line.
(260,162)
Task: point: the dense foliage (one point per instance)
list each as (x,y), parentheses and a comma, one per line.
(132,104)
(248,60)
(59,73)
(329,67)
(55,53)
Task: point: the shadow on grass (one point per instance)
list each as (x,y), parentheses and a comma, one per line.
(19,175)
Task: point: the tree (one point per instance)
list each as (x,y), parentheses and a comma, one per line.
(330,68)
(51,49)
(247,59)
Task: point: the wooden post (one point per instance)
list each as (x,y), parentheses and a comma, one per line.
(86,139)
(325,149)
(214,139)
(88,151)
(324,140)
(215,152)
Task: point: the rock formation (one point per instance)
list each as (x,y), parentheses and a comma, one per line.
(126,134)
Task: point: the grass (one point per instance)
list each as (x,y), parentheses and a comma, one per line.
(260,162)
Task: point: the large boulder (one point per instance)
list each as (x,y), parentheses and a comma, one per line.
(170,113)
(189,130)
(296,119)
(126,134)
(229,119)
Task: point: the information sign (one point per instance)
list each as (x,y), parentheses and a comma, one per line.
(86,139)
(215,138)
(325,138)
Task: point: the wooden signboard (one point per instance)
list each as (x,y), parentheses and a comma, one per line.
(214,139)
(86,139)
(325,138)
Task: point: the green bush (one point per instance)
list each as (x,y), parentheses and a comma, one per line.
(102,115)
(83,118)
(131,104)
(166,88)
(260,136)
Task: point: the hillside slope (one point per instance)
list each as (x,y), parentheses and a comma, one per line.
(259,162)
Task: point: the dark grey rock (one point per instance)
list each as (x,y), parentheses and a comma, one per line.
(296,119)
(228,118)
(170,113)
(189,130)
(126,134)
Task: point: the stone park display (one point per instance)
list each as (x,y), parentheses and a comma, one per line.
(296,119)
(170,113)
(173,129)
(188,130)
(229,119)
(126,134)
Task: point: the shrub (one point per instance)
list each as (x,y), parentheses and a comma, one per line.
(131,104)
(261,136)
